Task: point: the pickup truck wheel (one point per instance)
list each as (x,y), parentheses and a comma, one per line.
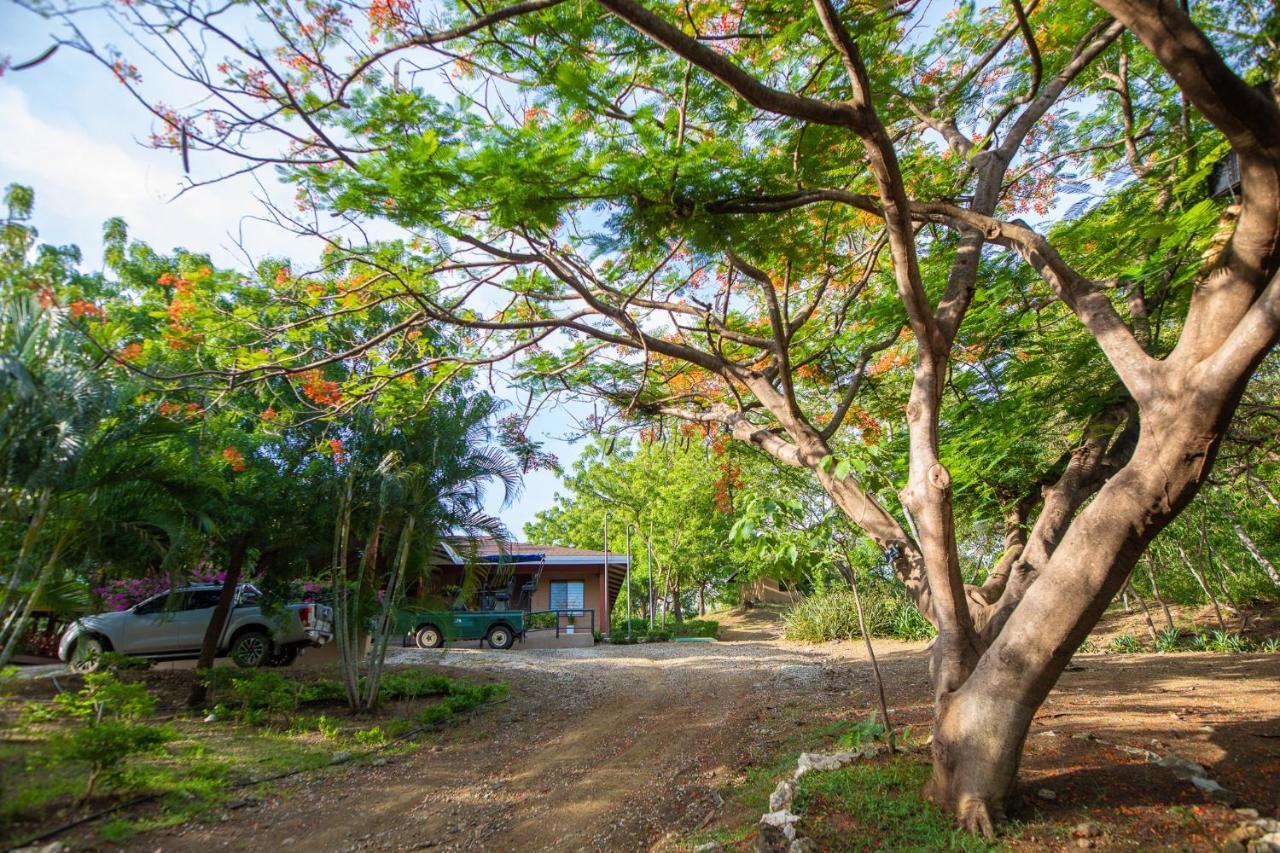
(500,637)
(87,655)
(284,657)
(429,637)
(251,649)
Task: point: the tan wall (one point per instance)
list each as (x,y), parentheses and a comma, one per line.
(590,589)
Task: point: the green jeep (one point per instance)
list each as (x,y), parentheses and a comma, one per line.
(429,629)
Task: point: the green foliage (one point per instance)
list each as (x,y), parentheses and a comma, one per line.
(877,805)
(831,615)
(252,696)
(1168,640)
(102,734)
(862,732)
(116,662)
(1124,644)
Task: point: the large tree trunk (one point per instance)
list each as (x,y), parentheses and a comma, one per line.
(218,622)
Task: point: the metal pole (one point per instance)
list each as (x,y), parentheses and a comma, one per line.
(650,544)
(604,605)
(628,581)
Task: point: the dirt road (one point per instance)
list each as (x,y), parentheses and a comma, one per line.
(607,748)
(625,747)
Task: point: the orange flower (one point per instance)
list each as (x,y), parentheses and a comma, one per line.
(130,351)
(269,414)
(319,390)
(234,458)
(282,276)
(85,308)
(339,453)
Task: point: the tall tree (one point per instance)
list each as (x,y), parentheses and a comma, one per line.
(760,217)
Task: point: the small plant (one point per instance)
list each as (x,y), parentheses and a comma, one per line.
(1087,647)
(1222,641)
(104,735)
(252,696)
(1270,646)
(1169,640)
(1125,644)
(864,731)
(372,737)
(1199,641)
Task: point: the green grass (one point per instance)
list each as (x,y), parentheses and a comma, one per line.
(200,768)
(876,805)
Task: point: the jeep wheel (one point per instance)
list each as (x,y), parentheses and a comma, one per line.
(251,649)
(87,655)
(500,637)
(429,637)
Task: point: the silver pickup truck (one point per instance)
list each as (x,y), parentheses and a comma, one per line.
(171,626)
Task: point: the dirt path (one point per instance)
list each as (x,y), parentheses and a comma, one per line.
(604,748)
(625,748)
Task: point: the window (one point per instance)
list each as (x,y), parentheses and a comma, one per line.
(566,595)
(154,605)
(203,599)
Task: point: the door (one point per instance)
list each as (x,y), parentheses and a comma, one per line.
(173,622)
(148,628)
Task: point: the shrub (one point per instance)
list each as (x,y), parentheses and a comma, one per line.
(1124,644)
(832,615)
(1169,640)
(105,746)
(104,735)
(252,696)
(699,628)
(117,662)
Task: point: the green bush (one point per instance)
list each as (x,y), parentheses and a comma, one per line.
(104,734)
(1168,640)
(252,696)
(832,615)
(698,628)
(1124,644)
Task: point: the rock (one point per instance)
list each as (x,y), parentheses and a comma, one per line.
(776,831)
(803,845)
(1088,829)
(1084,736)
(709,847)
(51,847)
(1267,824)
(1084,842)
(1046,794)
(780,799)
(1047,733)
(1204,783)
(339,757)
(1183,768)
(1245,832)
(825,761)
(379,762)
(1248,814)
(212,718)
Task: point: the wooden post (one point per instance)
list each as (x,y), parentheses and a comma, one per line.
(604,603)
(628,581)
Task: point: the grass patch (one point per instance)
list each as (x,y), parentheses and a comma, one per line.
(876,805)
(202,765)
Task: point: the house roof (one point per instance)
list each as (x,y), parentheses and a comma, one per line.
(556,555)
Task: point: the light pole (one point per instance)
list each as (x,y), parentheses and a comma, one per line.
(628,580)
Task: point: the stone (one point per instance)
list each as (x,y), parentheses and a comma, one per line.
(1204,783)
(379,762)
(777,831)
(1088,829)
(1248,814)
(709,847)
(212,718)
(825,761)
(782,796)
(1046,794)
(339,757)
(803,845)
(1183,768)
(1245,832)
(1086,843)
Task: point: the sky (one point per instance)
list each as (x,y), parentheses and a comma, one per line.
(73,134)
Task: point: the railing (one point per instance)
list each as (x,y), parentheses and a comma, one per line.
(558,614)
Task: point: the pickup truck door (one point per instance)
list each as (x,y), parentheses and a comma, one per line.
(171,623)
(469,625)
(148,627)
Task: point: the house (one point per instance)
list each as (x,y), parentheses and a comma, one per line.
(529,577)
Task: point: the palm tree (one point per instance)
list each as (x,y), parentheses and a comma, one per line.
(426,479)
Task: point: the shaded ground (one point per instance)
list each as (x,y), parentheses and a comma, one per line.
(632,747)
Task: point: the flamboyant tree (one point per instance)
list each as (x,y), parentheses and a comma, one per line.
(791,223)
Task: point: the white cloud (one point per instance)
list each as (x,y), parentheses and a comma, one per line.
(82,178)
